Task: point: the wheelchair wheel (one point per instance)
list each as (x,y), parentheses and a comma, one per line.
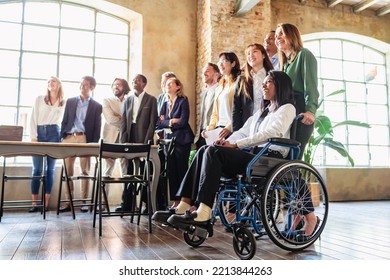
(244,243)
(303,195)
(193,240)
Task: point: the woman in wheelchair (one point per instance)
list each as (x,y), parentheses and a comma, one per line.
(227,157)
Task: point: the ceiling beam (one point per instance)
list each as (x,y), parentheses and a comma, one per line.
(383,11)
(244,6)
(364,5)
(333,3)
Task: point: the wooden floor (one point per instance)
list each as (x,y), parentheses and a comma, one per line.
(354,231)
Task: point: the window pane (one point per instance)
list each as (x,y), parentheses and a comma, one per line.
(44,13)
(357,135)
(9,66)
(379,135)
(332,86)
(339,134)
(111,46)
(376,94)
(10,34)
(331,49)
(377,114)
(314,47)
(39,65)
(334,110)
(77,42)
(101,92)
(71,89)
(355,92)
(9,87)
(77,17)
(29,90)
(11,12)
(24,119)
(379,156)
(74,68)
(373,56)
(360,155)
(357,112)
(353,71)
(107,70)
(34,39)
(375,73)
(8,115)
(111,24)
(331,69)
(352,51)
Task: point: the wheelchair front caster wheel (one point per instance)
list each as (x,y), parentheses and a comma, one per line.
(244,243)
(193,240)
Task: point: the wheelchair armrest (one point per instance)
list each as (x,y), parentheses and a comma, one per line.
(284,142)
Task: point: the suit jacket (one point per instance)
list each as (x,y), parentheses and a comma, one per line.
(92,122)
(146,119)
(242,105)
(181,130)
(208,110)
(112,106)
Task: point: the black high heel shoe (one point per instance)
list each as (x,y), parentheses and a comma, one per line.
(299,234)
(303,237)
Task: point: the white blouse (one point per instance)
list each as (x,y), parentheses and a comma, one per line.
(276,124)
(44,114)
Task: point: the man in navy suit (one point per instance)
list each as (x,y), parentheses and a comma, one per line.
(81,124)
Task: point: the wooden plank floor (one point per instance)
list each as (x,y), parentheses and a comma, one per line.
(354,231)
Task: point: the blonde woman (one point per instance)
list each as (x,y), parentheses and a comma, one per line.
(174,117)
(45,127)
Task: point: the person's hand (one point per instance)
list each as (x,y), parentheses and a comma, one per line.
(162,118)
(175,120)
(308,118)
(223,142)
(224,133)
(34,140)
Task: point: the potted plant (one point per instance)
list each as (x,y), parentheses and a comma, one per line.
(323,134)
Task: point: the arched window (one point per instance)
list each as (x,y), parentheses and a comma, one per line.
(56,38)
(356,64)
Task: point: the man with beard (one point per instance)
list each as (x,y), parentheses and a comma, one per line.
(112,112)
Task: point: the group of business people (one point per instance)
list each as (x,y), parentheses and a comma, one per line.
(227,86)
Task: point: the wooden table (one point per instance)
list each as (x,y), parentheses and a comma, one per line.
(65,150)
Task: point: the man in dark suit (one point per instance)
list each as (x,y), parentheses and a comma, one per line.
(138,122)
(81,124)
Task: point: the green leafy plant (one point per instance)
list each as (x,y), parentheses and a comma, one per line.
(323,134)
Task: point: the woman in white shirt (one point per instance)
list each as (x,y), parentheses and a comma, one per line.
(45,127)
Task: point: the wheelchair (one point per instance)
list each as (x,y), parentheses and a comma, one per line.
(271,199)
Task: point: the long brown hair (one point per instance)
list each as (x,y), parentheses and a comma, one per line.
(293,37)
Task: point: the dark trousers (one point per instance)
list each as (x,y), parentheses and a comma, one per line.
(304,131)
(177,168)
(201,182)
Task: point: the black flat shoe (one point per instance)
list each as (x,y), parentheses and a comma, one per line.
(163,215)
(34,209)
(186,222)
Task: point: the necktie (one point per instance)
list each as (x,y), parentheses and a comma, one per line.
(260,119)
